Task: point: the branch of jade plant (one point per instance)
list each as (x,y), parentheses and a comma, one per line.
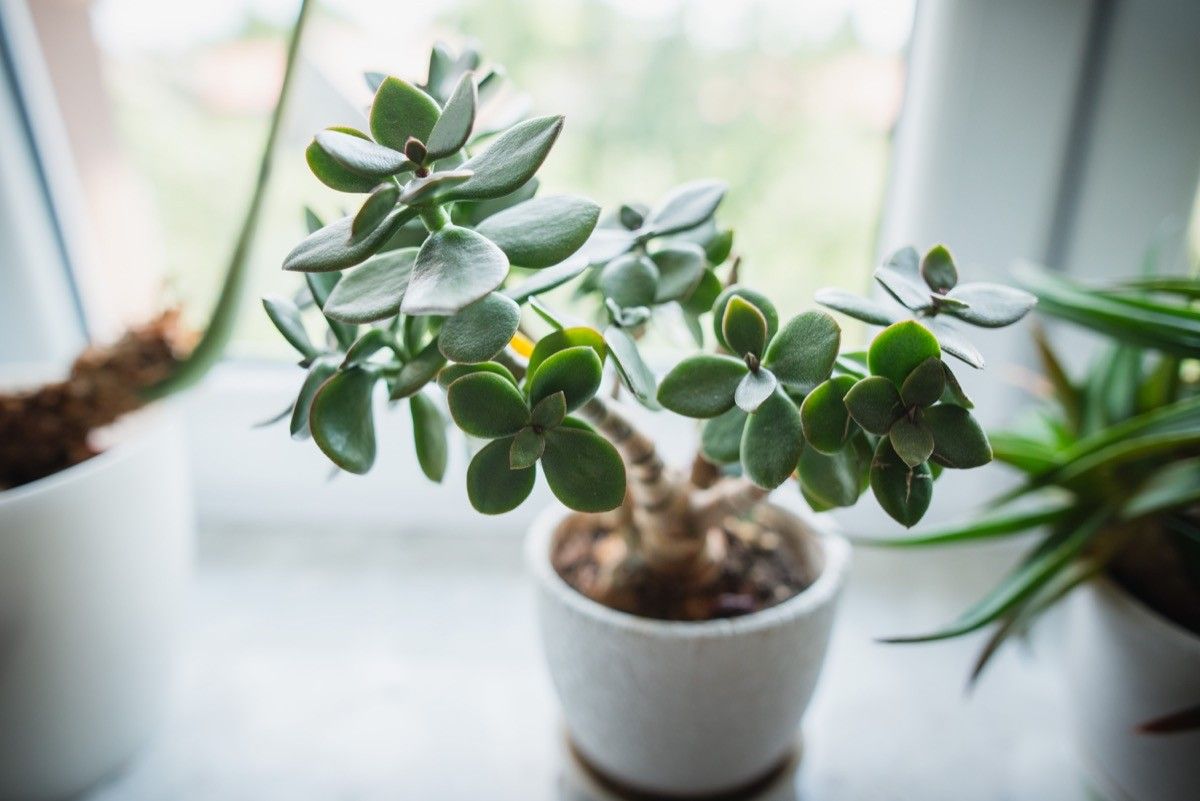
(660,511)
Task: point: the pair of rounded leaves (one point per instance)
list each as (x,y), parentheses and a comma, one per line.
(772,363)
(583,469)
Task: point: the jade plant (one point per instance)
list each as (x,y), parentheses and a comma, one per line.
(432,287)
(1109,463)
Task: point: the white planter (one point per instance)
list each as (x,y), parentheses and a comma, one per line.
(93,567)
(1127,665)
(683,709)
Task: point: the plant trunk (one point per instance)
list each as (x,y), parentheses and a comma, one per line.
(675,519)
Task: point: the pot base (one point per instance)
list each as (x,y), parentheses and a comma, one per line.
(759,789)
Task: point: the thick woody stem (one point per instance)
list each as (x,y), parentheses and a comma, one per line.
(661,507)
(730,496)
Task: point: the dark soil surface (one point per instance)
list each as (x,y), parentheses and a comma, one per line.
(763,565)
(49,429)
(1158,568)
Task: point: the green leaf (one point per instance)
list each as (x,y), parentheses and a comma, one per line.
(510,160)
(342,422)
(899,349)
(372,291)
(561,340)
(454,268)
(1065,391)
(680,269)
(583,469)
(990,305)
(320,286)
(549,411)
(824,416)
(418,372)
(721,437)
(1174,485)
(334,248)
(702,385)
(526,449)
(433,188)
(743,328)
(904,492)
(480,331)
(401,110)
(356,160)
(958,438)
(493,487)
(1047,560)
(754,389)
(630,280)
(912,441)
(453,127)
(285,315)
(547,279)
(756,299)
(853,306)
(924,385)
(954,392)
(802,354)
(938,270)
(998,524)
(576,372)
(900,275)
(374,210)
(453,372)
(772,442)
(686,207)
(429,436)
(485,405)
(543,231)
(874,404)
(832,479)
(954,342)
(719,247)
(1151,325)
(323,367)
(362,349)
(704,295)
(634,373)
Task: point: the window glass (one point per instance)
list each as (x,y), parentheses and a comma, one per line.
(791,103)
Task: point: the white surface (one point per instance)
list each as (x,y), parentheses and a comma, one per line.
(93,565)
(684,709)
(362,664)
(1131,666)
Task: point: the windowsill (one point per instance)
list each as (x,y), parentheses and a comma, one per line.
(350,662)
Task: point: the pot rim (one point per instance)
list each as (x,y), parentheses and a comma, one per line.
(834,547)
(133,438)
(1143,616)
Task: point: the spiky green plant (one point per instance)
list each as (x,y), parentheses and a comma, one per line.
(426,284)
(1110,466)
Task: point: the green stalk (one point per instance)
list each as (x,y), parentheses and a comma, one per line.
(224,315)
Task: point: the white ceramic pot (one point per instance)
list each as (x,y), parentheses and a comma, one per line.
(1126,665)
(683,709)
(93,567)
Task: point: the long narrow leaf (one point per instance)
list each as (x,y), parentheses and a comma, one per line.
(1146,324)
(1065,391)
(1054,554)
(221,321)
(995,525)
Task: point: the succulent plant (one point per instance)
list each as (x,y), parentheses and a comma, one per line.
(427,286)
(1110,465)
